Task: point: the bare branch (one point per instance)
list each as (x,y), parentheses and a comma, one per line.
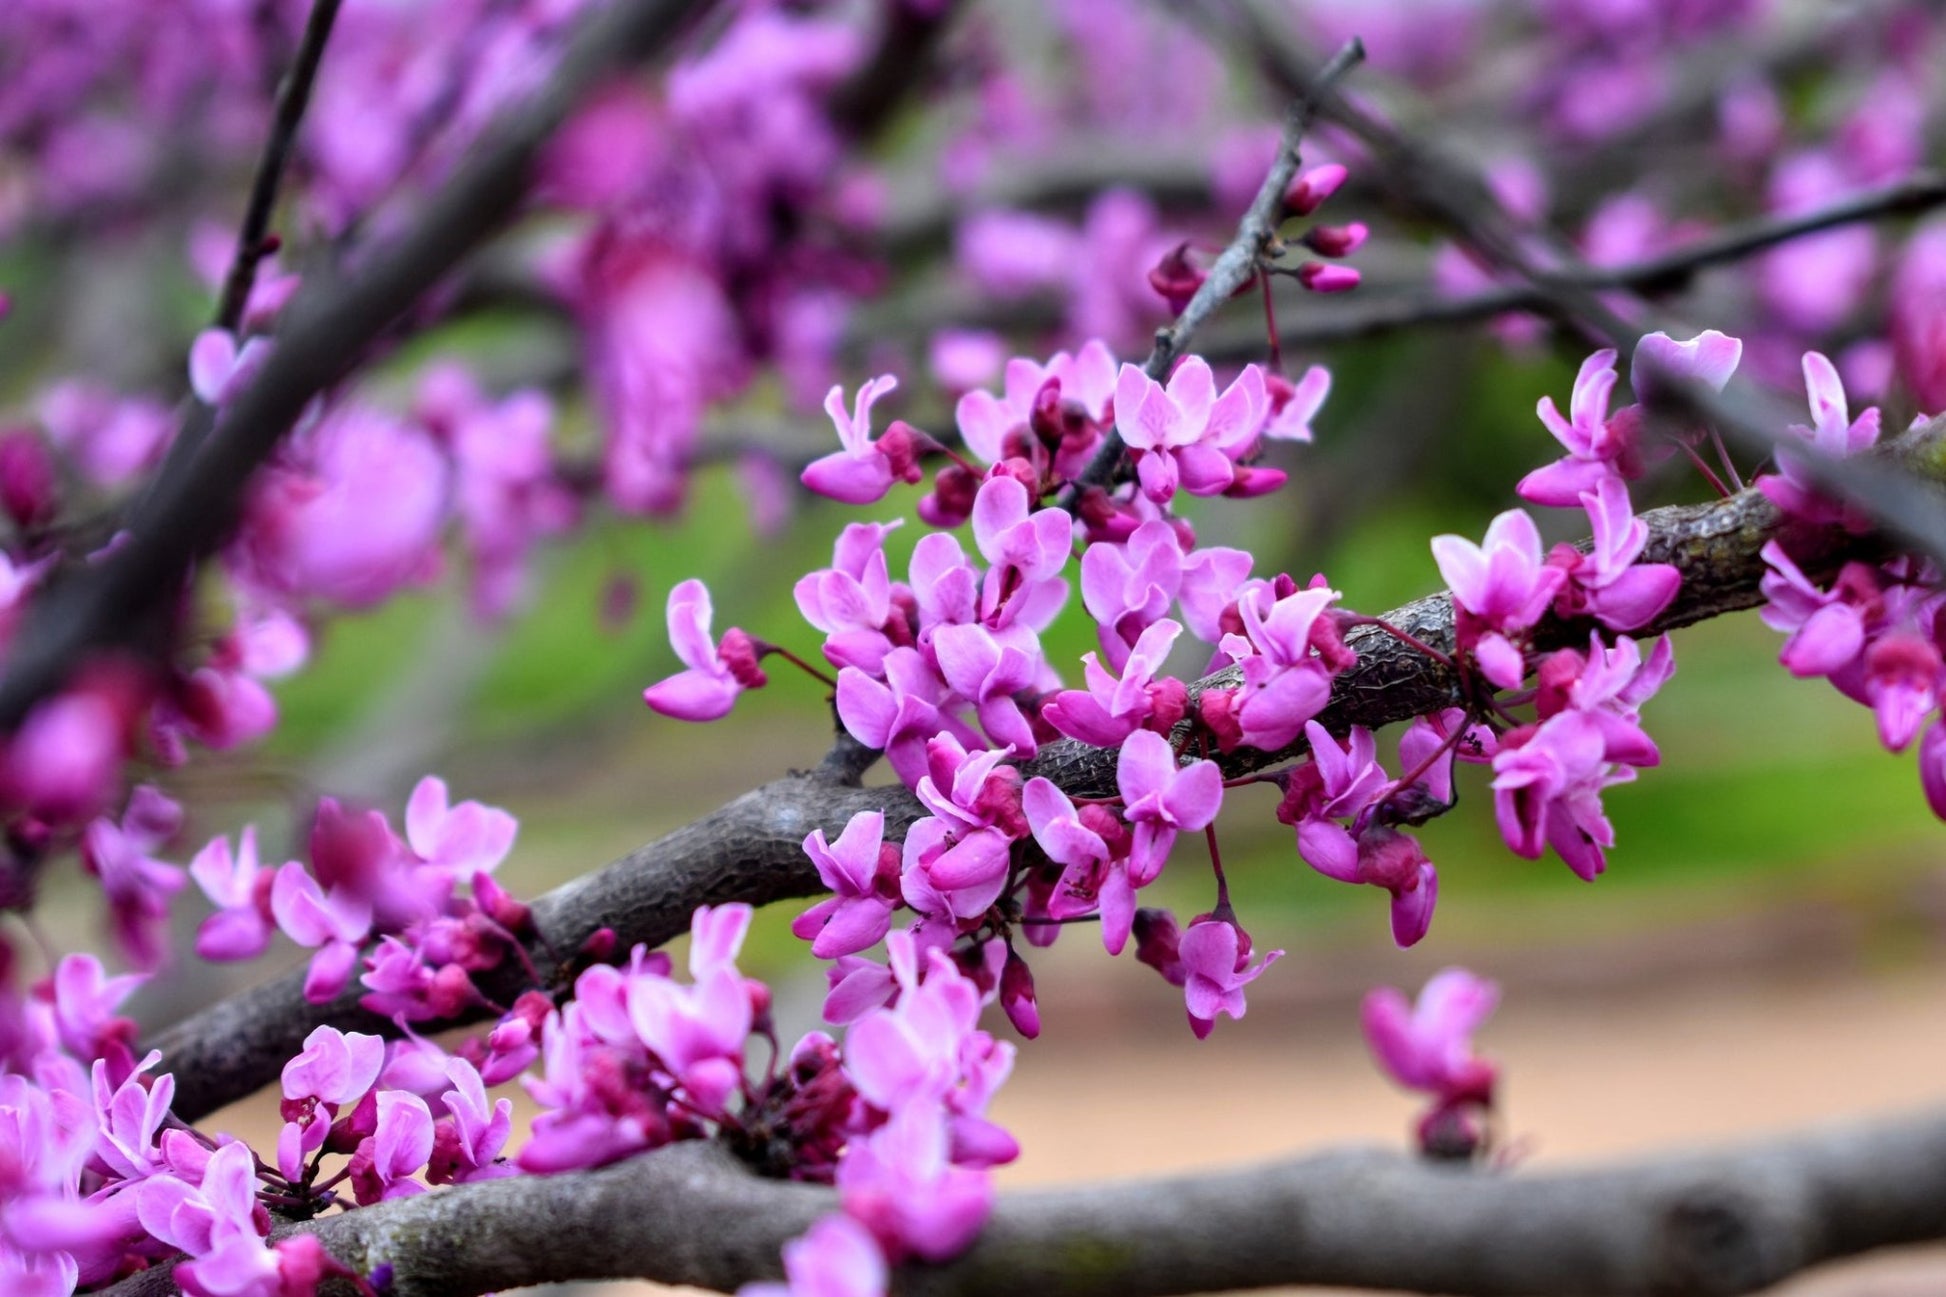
(325,334)
(1239,262)
(293,96)
(1704,1224)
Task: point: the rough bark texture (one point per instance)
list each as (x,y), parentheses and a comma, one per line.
(1705,1224)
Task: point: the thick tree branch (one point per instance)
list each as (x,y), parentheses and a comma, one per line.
(750,850)
(1703,1224)
(325,334)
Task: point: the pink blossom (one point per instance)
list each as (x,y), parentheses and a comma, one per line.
(1833,433)
(400,1145)
(1160,799)
(988,674)
(1285,683)
(900,713)
(1215,955)
(1110,709)
(1599,447)
(335,923)
(351,517)
(1547,789)
(1919,317)
(865,469)
(851,601)
(1607,583)
(837,1257)
(1827,631)
(1429,1047)
(899,1183)
(463,840)
(1095,878)
(863,870)
(138,885)
(1181,431)
(998,428)
(1499,589)
(716,674)
(84,999)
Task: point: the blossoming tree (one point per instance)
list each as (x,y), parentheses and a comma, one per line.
(706,200)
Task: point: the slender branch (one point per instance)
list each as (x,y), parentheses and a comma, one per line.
(1369,316)
(1698,1224)
(1239,262)
(293,96)
(325,335)
(751,849)
(1459,198)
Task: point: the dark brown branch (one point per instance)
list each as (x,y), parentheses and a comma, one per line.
(750,850)
(1239,263)
(293,96)
(1667,272)
(324,336)
(902,58)
(1459,198)
(1702,1224)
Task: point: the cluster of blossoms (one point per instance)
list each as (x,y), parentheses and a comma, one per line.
(895,1116)
(366,883)
(1875,630)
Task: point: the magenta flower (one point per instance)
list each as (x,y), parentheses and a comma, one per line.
(1599,448)
(1180,431)
(1499,589)
(1095,878)
(462,840)
(1827,633)
(398,1148)
(1903,672)
(335,1071)
(334,923)
(1294,405)
(837,1257)
(1429,1046)
(996,428)
(900,1183)
(862,869)
(1161,799)
(900,713)
(716,674)
(1337,783)
(138,885)
(1547,791)
(988,674)
(1607,583)
(954,872)
(1110,710)
(864,470)
(1284,684)
(84,1000)
(1833,432)
(698,1031)
(851,601)
(1215,956)
(1709,357)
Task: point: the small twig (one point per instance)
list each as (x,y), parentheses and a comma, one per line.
(1371,316)
(1239,262)
(293,96)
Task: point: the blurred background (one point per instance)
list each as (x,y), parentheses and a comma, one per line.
(1768,947)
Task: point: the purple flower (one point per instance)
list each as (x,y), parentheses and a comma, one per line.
(901,1184)
(1429,1046)
(837,1257)
(1607,583)
(1833,432)
(1827,632)
(1547,789)
(988,674)
(400,1145)
(1215,955)
(1094,877)
(1599,448)
(335,923)
(1284,684)
(462,840)
(863,870)
(1181,432)
(137,884)
(1110,710)
(716,675)
(900,713)
(1033,545)
(851,601)
(1499,589)
(864,470)
(1160,799)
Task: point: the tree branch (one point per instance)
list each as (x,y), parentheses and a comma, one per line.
(293,96)
(751,849)
(1458,197)
(1667,272)
(325,334)
(1239,262)
(1701,1224)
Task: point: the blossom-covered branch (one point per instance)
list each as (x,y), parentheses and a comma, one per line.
(751,849)
(1699,1224)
